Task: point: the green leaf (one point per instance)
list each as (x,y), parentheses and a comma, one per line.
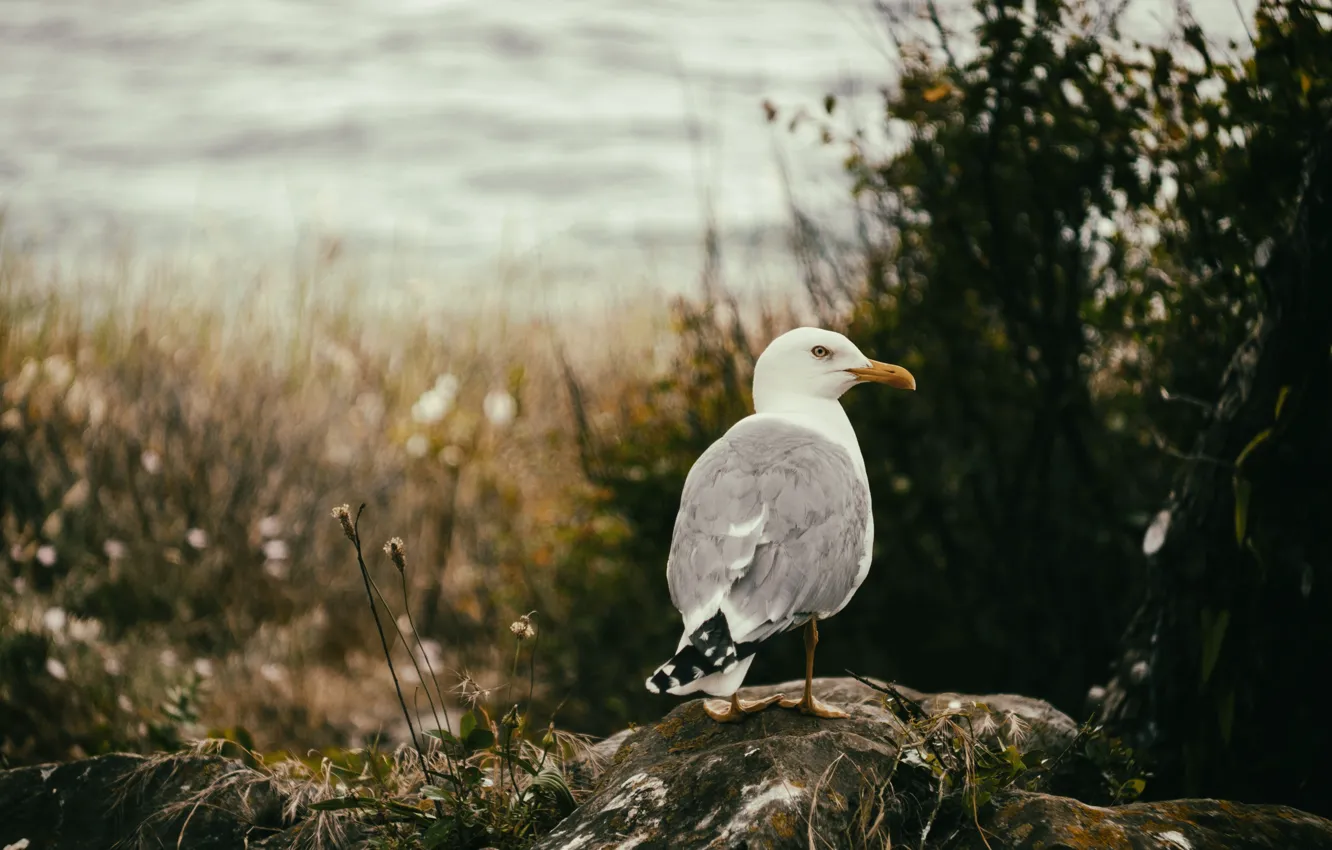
(466,725)
(527,766)
(408,811)
(1258,439)
(480,739)
(1132,789)
(444,735)
(1281,400)
(1213,634)
(1014,758)
(439,835)
(552,782)
(434,792)
(1243,489)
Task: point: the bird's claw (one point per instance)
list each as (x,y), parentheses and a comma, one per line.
(735,710)
(814,708)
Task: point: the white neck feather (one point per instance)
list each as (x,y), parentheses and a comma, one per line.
(824,415)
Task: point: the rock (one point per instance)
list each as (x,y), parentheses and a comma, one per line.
(1040,821)
(691,782)
(100,802)
(782,780)
(777,780)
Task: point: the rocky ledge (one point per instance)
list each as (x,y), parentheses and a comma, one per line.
(939,770)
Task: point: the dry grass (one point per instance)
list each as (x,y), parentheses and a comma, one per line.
(168,465)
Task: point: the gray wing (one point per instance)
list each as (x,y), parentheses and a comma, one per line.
(771,529)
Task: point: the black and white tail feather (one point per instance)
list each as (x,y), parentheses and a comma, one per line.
(709,650)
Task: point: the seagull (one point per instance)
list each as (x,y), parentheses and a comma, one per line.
(775,529)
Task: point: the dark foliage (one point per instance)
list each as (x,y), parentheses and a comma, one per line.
(1065,255)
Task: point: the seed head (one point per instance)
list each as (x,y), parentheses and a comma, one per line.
(342,513)
(394,549)
(522,628)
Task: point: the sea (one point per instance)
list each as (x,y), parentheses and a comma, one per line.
(586,141)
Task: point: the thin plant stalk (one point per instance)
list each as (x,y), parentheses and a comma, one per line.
(383,640)
(416,635)
(379,594)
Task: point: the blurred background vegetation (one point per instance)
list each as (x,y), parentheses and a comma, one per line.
(1064,248)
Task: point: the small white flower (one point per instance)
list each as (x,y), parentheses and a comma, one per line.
(54,620)
(272,672)
(56,669)
(46,555)
(276,550)
(500,408)
(125,704)
(115,550)
(167,658)
(152,462)
(112,666)
(417,445)
(203,667)
(270,526)
(197,537)
(21,844)
(430,408)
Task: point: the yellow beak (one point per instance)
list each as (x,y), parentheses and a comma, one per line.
(886,373)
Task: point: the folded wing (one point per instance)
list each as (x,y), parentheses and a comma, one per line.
(772,530)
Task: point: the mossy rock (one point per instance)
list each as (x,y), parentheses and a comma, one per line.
(772,780)
(126,800)
(689,781)
(1044,822)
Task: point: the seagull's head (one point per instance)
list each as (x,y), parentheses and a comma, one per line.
(822,364)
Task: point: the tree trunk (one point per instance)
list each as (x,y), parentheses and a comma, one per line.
(1221,667)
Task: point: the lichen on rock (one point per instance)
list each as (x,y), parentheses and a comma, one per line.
(777,780)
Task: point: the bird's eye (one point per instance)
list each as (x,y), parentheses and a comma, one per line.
(820,352)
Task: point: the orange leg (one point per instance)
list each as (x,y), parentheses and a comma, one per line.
(808,704)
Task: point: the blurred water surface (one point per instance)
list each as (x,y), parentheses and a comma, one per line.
(440,133)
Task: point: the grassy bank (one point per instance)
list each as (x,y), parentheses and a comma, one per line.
(169,462)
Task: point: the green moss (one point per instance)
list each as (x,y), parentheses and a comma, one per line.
(785,824)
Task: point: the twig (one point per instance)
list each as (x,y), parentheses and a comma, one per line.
(933,8)
(914,708)
(929,823)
